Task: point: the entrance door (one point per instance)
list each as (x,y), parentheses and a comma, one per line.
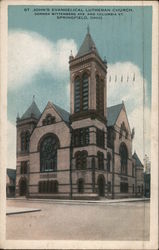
(101,185)
(23,187)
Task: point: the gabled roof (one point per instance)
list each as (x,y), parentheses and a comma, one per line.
(113,113)
(138,162)
(87,46)
(11,173)
(63,113)
(32,111)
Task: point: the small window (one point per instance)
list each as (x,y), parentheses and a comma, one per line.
(81,159)
(24,167)
(108,161)
(109,186)
(123,187)
(48,120)
(81,137)
(100,138)
(100,157)
(80,186)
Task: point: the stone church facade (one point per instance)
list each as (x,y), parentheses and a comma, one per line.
(84,154)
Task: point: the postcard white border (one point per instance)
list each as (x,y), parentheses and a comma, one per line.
(29,244)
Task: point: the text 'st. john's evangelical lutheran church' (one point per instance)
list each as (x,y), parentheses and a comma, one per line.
(82,155)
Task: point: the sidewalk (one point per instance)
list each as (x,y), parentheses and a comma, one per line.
(77,202)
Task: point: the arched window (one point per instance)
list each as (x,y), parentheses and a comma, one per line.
(80,186)
(123,158)
(25,140)
(77,95)
(81,159)
(48,153)
(108,161)
(99,95)
(100,156)
(85,92)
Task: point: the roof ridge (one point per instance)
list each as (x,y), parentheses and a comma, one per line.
(61,108)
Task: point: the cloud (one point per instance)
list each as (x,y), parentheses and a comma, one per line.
(29,53)
(11,145)
(125,82)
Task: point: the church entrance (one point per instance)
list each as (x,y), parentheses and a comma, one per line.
(101,185)
(23,187)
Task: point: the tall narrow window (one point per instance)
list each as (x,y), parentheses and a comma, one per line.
(100,156)
(85,92)
(108,161)
(22,141)
(123,158)
(99,95)
(100,138)
(24,167)
(77,95)
(25,140)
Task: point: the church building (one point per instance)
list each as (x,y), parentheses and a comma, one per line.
(84,154)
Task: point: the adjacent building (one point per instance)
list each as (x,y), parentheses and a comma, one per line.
(84,154)
(10,182)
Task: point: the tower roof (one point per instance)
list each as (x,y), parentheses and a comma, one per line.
(32,111)
(87,46)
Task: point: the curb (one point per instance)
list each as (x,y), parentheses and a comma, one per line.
(23,211)
(74,202)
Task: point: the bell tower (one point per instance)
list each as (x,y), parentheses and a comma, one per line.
(88,82)
(88,118)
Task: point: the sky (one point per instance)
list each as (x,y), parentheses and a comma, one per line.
(38,52)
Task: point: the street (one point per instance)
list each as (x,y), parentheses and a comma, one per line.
(79,221)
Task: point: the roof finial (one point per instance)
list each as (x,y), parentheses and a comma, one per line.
(33,98)
(71,56)
(88,29)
